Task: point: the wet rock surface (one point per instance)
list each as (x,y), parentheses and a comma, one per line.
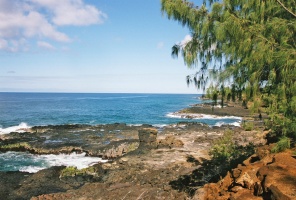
(107,141)
(20,185)
(167,163)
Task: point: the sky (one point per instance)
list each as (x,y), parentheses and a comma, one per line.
(92,46)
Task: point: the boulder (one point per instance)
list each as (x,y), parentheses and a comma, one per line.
(244,194)
(279,177)
(278,194)
(226,182)
(170,142)
(147,139)
(120,150)
(245,177)
(262,176)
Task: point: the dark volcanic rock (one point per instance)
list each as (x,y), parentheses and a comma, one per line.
(11,181)
(114,149)
(110,141)
(147,139)
(22,186)
(170,141)
(149,172)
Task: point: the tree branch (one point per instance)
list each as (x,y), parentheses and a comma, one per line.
(286,8)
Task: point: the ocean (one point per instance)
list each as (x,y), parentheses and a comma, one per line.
(24,110)
(35,109)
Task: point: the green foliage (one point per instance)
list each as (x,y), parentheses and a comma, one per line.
(222,92)
(73,171)
(248,126)
(281,145)
(133,146)
(282,126)
(224,148)
(228,96)
(210,91)
(233,92)
(215,98)
(22,145)
(69,171)
(228,154)
(248,44)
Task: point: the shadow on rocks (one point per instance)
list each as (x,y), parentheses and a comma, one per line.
(208,171)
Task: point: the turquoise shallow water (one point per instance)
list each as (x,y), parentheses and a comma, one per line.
(69,108)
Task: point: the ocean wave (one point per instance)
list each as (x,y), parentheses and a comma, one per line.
(27,162)
(22,127)
(78,160)
(31,169)
(160,125)
(236,123)
(199,116)
(219,124)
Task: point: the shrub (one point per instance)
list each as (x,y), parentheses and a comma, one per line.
(248,126)
(69,171)
(281,145)
(225,150)
(73,171)
(224,147)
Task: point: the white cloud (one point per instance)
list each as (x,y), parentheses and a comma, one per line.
(186,39)
(14,45)
(45,45)
(37,25)
(40,19)
(72,12)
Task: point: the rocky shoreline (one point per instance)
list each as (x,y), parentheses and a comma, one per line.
(146,162)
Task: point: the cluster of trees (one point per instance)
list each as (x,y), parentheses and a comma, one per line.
(230,93)
(249,45)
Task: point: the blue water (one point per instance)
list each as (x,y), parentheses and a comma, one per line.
(59,108)
(103,108)
(19,110)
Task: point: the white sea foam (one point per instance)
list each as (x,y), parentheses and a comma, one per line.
(236,123)
(31,169)
(22,127)
(134,125)
(199,116)
(39,162)
(78,160)
(160,125)
(219,124)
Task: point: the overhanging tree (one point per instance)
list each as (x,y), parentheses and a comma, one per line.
(250,44)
